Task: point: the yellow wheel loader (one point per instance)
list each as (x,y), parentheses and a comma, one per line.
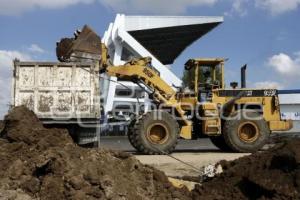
(236,119)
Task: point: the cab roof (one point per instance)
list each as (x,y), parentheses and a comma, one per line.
(209,62)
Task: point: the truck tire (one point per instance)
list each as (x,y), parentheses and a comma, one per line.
(219,142)
(130,134)
(155,135)
(246,132)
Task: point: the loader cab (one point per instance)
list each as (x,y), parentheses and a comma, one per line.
(206,74)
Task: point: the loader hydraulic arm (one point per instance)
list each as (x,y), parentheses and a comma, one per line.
(140,71)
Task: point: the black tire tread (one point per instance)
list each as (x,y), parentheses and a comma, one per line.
(137,140)
(230,125)
(219,142)
(130,134)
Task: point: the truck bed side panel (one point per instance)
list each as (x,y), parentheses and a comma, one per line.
(57,90)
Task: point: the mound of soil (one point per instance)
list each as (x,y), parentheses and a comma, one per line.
(1,125)
(39,163)
(273,174)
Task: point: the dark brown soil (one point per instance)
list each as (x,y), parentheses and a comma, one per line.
(39,163)
(1,125)
(274,174)
(46,164)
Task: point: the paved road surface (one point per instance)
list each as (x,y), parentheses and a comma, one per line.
(122,143)
(198,153)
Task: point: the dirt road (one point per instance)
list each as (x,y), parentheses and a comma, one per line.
(122,143)
(198,153)
(173,167)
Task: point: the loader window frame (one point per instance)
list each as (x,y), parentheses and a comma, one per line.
(196,69)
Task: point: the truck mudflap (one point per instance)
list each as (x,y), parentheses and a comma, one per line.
(285,125)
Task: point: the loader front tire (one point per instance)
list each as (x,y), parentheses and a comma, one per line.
(219,142)
(246,131)
(156,133)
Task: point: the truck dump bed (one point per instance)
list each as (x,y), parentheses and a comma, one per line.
(58,91)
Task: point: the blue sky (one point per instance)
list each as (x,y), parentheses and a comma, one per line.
(265,34)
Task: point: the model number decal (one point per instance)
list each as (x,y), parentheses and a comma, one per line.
(148,72)
(249,93)
(270,93)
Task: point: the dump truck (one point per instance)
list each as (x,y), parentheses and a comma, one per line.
(235,119)
(61,94)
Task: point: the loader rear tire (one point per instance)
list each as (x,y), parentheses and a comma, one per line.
(156,133)
(219,142)
(246,132)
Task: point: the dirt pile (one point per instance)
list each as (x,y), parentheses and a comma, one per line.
(1,125)
(39,163)
(274,174)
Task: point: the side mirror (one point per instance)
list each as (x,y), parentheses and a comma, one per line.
(234,85)
(188,67)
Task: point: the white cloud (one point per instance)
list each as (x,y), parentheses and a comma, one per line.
(287,68)
(7,57)
(5,86)
(277,7)
(239,7)
(6,66)
(16,7)
(285,65)
(155,6)
(34,48)
(268,85)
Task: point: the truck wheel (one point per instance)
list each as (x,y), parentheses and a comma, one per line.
(130,134)
(156,132)
(246,132)
(219,142)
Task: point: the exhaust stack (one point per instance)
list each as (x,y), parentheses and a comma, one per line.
(243,76)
